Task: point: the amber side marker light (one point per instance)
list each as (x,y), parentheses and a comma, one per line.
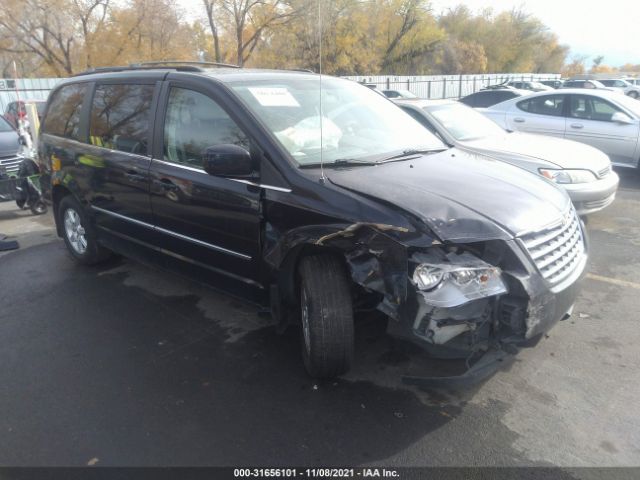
(56,164)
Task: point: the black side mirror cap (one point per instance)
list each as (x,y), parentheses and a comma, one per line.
(227,160)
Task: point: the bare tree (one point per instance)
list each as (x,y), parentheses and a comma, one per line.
(91,15)
(251,18)
(212,8)
(43,29)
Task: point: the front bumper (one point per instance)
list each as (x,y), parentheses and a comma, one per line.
(593,196)
(495,327)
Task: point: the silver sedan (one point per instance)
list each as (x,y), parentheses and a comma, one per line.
(584,172)
(605,120)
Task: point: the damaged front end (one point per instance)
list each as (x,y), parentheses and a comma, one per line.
(479,300)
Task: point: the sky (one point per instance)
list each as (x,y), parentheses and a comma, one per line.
(589,27)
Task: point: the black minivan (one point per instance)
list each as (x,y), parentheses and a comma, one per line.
(314,197)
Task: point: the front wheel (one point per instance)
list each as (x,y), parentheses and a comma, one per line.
(326,313)
(78,233)
(38,207)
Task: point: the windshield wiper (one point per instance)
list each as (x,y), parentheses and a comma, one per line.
(340,162)
(411,152)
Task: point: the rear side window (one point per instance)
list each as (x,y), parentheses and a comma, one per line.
(63,116)
(545,105)
(120,117)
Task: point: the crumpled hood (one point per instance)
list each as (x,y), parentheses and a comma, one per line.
(557,151)
(8,143)
(461,196)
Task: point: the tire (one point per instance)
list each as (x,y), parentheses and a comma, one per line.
(633,95)
(39,208)
(326,312)
(78,233)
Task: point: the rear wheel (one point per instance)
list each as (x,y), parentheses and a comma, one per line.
(326,313)
(633,94)
(78,233)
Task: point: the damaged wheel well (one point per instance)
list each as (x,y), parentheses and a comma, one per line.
(288,274)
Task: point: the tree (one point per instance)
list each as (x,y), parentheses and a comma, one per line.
(212,8)
(575,67)
(43,29)
(250,19)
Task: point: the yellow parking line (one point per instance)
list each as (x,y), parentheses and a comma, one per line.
(614,281)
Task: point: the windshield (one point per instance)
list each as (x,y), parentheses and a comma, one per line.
(629,103)
(462,122)
(357,123)
(406,94)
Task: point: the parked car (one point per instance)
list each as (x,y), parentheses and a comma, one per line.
(486,98)
(553,83)
(398,94)
(10,147)
(17,109)
(583,171)
(605,120)
(627,88)
(587,84)
(315,217)
(529,85)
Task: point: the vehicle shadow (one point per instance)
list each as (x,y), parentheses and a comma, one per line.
(141,367)
(629,178)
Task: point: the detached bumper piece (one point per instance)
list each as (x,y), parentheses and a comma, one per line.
(488,364)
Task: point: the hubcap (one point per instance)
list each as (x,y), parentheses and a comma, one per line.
(306,330)
(75,231)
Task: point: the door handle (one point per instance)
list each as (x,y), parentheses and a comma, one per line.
(134,176)
(577,125)
(518,120)
(168,186)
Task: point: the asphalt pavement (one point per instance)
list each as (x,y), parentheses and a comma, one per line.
(126,365)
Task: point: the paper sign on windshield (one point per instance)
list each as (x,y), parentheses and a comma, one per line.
(273,97)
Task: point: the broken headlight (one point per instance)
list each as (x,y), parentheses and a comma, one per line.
(449,280)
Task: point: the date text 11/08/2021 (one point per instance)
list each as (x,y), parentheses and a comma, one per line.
(315,472)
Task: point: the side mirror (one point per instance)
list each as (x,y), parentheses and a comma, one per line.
(620,117)
(227,160)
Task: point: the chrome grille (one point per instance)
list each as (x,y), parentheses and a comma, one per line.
(604,172)
(557,251)
(11,164)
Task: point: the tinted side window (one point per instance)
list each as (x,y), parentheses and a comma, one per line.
(63,116)
(193,123)
(120,117)
(546,105)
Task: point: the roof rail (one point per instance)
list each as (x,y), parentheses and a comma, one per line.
(184,62)
(185,68)
(180,65)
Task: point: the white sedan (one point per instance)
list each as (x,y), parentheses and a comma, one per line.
(605,120)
